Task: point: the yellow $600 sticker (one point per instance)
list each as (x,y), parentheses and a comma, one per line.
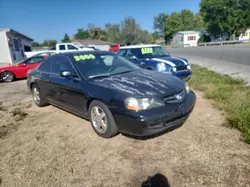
(146,50)
(84,57)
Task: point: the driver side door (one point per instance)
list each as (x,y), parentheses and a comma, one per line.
(66,91)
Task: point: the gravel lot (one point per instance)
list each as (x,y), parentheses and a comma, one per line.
(50,147)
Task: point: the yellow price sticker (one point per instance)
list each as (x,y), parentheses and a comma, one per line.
(146,50)
(84,57)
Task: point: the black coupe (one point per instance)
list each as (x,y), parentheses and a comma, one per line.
(112,92)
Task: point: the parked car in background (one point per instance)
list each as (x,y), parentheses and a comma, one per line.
(112,92)
(19,70)
(61,48)
(114,48)
(155,57)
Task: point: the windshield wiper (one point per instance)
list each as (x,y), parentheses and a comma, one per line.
(99,76)
(124,72)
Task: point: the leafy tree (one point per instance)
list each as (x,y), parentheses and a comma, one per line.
(174,24)
(96,33)
(187,19)
(160,24)
(66,38)
(130,31)
(49,43)
(81,34)
(226,17)
(35,44)
(113,33)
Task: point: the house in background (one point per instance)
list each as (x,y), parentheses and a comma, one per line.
(98,44)
(13,45)
(245,36)
(186,39)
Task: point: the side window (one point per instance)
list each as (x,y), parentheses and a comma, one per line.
(133,52)
(71,47)
(62,47)
(46,65)
(34,60)
(61,63)
(121,52)
(108,60)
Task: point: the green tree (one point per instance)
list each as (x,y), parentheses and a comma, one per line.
(160,24)
(96,33)
(174,24)
(226,17)
(81,34)
(130,31)
(113,32)
(66,38)
(35,44)
(49,43)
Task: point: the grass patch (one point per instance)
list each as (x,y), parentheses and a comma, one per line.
(230,95)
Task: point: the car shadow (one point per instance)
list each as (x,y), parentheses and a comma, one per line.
(154,135)
(158,180)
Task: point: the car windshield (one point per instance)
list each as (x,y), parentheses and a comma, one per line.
(103,64)
(147,52)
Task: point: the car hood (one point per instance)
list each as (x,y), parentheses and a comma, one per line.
(172,61)
(142,83)
(8,67)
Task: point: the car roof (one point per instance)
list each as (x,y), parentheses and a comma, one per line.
(139,46)
(70,54)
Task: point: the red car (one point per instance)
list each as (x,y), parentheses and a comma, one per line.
(114,48)
(19,70)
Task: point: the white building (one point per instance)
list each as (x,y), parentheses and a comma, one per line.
(186,38)
(245,36)
(13,45)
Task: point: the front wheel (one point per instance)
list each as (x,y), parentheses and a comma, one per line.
(38,99)
(102,119)
(7,76)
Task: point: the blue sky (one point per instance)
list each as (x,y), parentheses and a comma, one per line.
(51,19)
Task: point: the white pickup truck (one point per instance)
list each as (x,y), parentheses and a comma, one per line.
(61,48)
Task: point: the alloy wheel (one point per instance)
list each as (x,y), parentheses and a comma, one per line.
(36,95)
(99,119)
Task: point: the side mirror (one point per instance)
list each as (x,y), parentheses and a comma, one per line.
(133,58)
(65,73)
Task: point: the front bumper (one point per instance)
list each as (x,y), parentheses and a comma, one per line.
(153,121)
(185,75)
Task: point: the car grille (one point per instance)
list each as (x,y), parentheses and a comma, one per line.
(177,98)
(181,68)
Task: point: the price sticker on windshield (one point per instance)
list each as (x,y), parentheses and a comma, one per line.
(146,50)
(84,57)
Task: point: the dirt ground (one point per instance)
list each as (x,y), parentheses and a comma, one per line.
(50,147)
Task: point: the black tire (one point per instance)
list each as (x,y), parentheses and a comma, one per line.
(112,129)
(42,102)
(11,77)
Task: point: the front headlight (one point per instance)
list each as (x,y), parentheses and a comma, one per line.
(187,88)
(132,103)
(174,69)
(161,67)
(189,66)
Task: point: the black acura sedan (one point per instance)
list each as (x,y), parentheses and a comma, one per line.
(112,92)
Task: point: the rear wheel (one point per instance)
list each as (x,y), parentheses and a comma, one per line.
(38,99)
(7,76)
(102,120)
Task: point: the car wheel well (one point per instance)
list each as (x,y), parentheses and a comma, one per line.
(91,100)
(31,84)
